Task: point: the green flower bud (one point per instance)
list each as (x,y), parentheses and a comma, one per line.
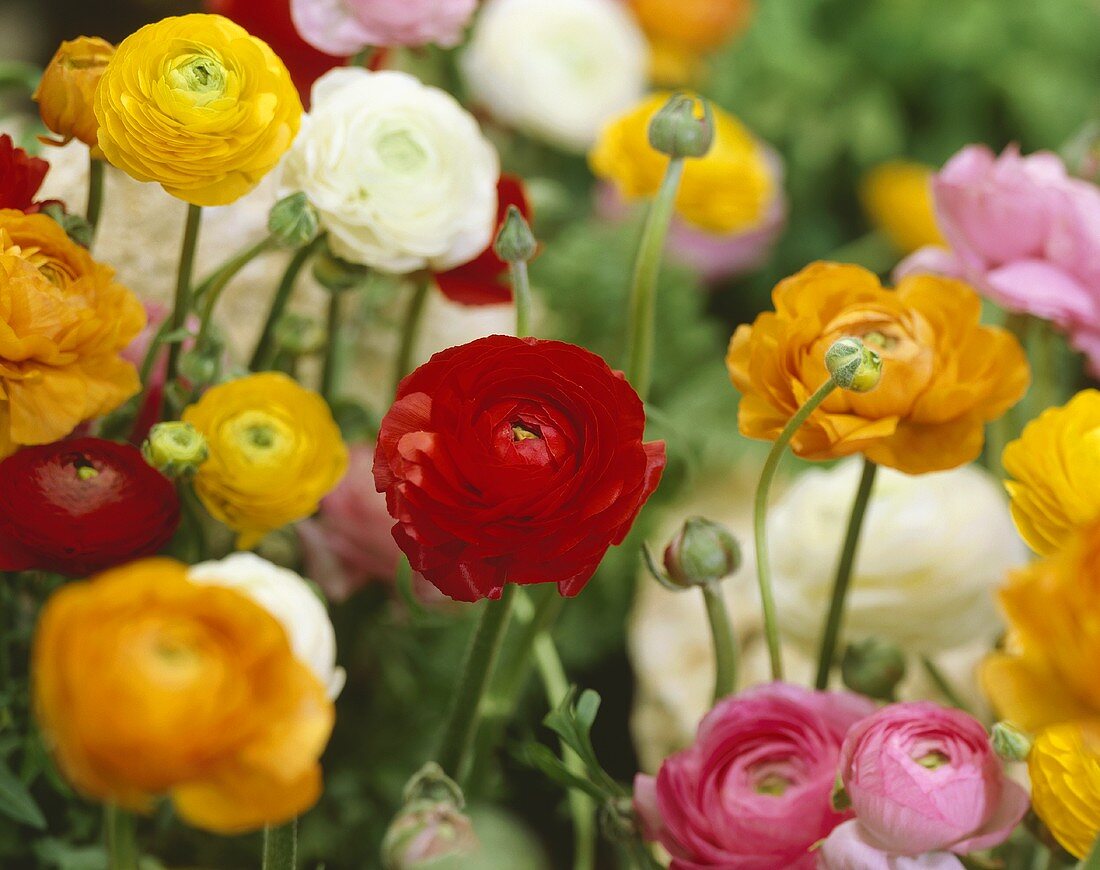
(701,553)
(334,274)
(853,366)
(1010,742)
(515,243)
(679,131)
(294,221)
(424,833)
(175,449)
(75,226)
(873,668)
(202,367)
(299,335)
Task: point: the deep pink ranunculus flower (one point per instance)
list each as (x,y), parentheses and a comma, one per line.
(924,779)
(344,27)
(1024,233)
(754,790)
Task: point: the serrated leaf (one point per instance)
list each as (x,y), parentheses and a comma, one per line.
(16,802)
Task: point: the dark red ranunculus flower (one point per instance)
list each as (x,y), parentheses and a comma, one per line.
(270,20)
(77,507)
(20,176)
(513,460)
(484,280)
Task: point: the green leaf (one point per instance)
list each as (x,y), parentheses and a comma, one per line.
(541,757)
(16,802)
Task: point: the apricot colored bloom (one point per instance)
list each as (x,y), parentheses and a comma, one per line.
(681,32)
(275,452)
(897,197)
(198,105)
(63,323)
(944,374)
(65,93)
(728,189)
(1048,675)
(1064,767)
(146,684)
(1056,463)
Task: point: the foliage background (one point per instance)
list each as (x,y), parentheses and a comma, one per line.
(836,86)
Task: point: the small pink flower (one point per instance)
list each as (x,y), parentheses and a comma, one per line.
(344,27)
(923,778)
(1023,232)
(847,848)
(348,544)
(753,792)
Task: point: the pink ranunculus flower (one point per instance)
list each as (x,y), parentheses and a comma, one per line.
(754,790)
(846,848)
(1023,232)
(923,779)
(344,27)
(348,544)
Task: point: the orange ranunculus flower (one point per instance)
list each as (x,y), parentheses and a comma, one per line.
(146,684)
(701,25)
(63,321)
(64,95)
(944,374)
(1048,674)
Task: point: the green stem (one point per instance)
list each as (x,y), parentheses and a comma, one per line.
(118,829)
(760,519)
(330,367)
(943,684)
(521,292)
(209,291)
(281,846)
(409,331)
(182,306)
(643,289)
(581,807)
(265,346)
(831,635)
(458,735)
(1092,860)
(95,193)
(725,646)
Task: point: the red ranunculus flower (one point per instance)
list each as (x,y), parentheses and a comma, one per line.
(513,460)
(484,281)
(77,507)
(20,176)
(270,20)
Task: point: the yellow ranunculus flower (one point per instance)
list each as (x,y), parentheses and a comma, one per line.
(198,105)
(727,190)
(146,684)
(897,197)
(63,323)
(1056,464)
(1064,766)
(275,452)
(1048,674)
(66,92)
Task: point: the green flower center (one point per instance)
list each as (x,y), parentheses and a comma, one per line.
(200,76)
(933,760)
(773,784)
(400,152)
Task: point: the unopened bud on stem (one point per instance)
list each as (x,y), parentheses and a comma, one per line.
(1010,742)
(701,553)
(294,221)
(873,668)
(678,130)
(175,449)
(515,243)
(853,366)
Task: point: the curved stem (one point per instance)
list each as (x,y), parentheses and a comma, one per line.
(521,293)
(265,346)
(458,735)
(409,330)
(944,686)
(831,634)
(182,306)
(643,289)
(725,646)
(281,846)
(209,291)
(331,365)
(760,518)
(581,807)
(118,829)
(95,193)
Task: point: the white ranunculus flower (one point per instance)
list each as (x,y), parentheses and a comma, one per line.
(288,598)
(558,69)
(401,174)
(932,550)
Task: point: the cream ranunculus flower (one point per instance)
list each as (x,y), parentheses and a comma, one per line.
(400,173)
(288,598)
(933,548)
(558,69)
